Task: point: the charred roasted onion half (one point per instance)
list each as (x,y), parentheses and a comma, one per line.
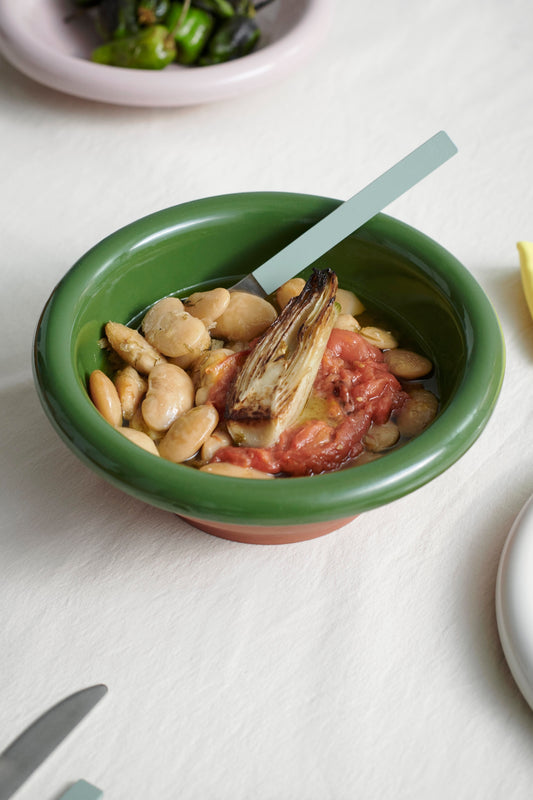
(276,379)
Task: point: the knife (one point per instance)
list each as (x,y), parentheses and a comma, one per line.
(349,216)
(35,744)
(81,790)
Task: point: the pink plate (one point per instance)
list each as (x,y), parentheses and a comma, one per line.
(36,39)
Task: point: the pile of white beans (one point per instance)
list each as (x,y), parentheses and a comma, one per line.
(158,397)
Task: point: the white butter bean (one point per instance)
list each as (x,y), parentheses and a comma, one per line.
(379,338)
(170,393)
(140,439)
(163,311)
(201,396)
(137,423)
(407,365)
(208,306)
(188,433)
(105,397)
(418,411)
(174,332)
(131,388)
(291,288)
(246,317)
(219,438)
(347,322)
(132,347)
(192,354)
(349,302)
(233,471)
(381,437)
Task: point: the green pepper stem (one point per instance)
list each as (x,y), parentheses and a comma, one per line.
(182,17)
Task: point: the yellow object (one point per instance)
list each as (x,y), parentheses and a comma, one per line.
(525,250)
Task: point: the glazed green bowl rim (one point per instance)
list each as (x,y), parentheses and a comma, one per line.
(287,501)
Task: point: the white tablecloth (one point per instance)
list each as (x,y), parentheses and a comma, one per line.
(365,664)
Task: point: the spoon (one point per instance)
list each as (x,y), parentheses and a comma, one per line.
(348,217)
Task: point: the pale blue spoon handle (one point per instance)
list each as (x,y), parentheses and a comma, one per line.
(349,216)
(82,790)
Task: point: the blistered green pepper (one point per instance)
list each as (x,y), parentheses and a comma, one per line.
(150,12)
(236,37)
(116,19)
(220,8)
(244,7)
(151,48)
(191,31)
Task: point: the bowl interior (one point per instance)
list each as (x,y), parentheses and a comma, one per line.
(64,31)
(50,44)
(433,302)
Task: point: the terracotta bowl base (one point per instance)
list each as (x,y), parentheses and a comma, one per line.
(268,534)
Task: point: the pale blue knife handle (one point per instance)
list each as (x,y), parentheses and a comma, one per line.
(82,790)
(349,216)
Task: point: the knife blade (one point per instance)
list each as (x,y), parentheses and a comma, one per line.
(37,742)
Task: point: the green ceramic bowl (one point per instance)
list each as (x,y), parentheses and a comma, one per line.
(397,271)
